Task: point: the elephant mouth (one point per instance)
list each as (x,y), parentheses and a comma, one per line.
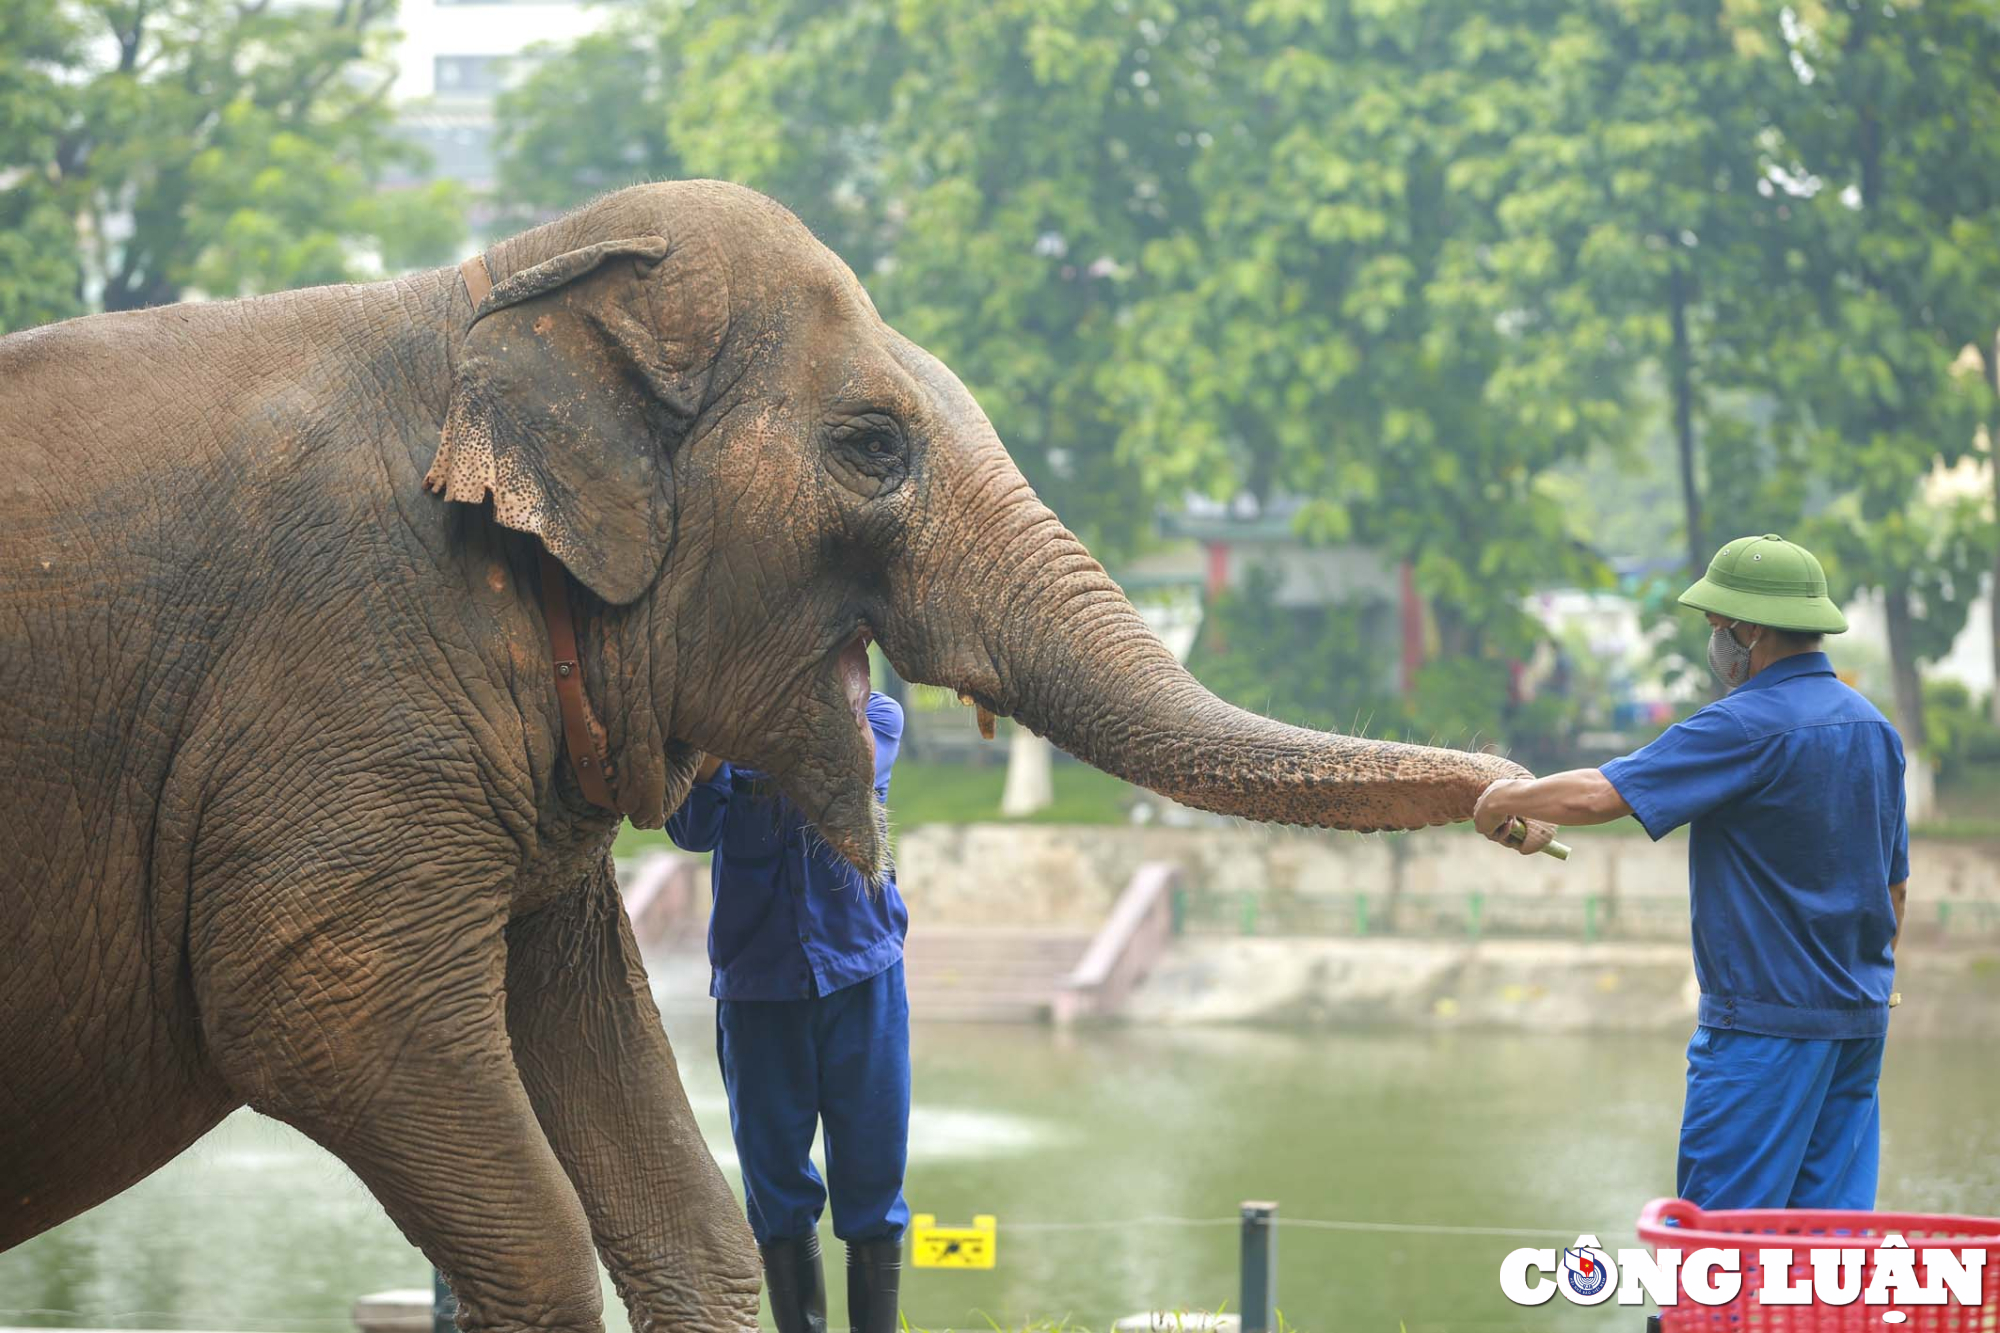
(851,664)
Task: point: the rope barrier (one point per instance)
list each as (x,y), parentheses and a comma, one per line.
(1300,1223)
(1155,1220)
(1114,1224)
(1424,1228)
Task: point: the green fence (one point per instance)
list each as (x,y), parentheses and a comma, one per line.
(1475,915)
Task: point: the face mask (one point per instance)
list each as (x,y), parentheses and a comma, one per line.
(1728,659)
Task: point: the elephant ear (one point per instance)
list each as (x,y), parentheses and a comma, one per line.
(576,381)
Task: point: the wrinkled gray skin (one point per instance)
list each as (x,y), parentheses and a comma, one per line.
(288,822)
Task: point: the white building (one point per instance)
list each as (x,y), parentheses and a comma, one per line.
(461,51)
(454,56)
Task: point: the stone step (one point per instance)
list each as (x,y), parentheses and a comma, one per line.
(1009,935)
(979,975)
(937,943)
(978,1011)
(1025,987)
(930,965)
(927,949)
(955,974)
(925,959)
(1013,983)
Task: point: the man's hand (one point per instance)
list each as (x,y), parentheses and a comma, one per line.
(1580,796)
(1497,822)
(706,769)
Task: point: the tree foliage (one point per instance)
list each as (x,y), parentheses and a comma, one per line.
(1890,172)
(151,147)
(39,271)
(1322,668)
(1420,265)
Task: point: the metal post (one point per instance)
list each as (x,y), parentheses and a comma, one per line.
(1260,1267)
(444,1305)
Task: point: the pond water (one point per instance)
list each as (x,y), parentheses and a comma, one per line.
(1115,1161)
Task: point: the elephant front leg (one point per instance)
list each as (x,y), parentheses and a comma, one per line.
(597,1066)
(391,1050)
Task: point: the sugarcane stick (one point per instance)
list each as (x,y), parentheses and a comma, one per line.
(1519,832)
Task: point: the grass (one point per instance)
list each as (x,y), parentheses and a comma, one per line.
(934,793)
(922,794)
(969,794)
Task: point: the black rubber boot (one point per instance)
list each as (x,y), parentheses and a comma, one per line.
(795,1285)
(874,1277)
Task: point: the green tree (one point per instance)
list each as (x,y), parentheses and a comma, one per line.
(1174,247)
(225,147)
(1630,215)
(592,117)
(1409,261)
(1038,152)
(1351,320)
(1315,667)
(1890,169)
(40,278)
(788,96)
(991,173)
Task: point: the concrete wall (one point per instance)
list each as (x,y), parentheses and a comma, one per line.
(1273,930)
(1295,882)
(1532,985)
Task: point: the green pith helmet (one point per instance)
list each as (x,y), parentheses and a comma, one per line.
(1767,581)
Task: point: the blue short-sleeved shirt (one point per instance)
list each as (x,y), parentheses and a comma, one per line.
(1793,788)
(792,919)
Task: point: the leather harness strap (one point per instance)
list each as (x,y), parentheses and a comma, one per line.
(478,282)
(583,738)
(580,738)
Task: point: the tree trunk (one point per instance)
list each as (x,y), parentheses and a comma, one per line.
(1909,700)
(1993,468)
(1682,372)
(1030,777)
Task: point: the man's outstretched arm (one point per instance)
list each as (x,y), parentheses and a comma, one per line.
(1580,796)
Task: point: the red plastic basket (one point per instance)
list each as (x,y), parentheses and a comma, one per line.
(1678,1224)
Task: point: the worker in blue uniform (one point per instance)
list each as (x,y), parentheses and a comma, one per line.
(812,1027)
(1798,870)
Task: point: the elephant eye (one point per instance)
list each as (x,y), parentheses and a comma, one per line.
(868,452)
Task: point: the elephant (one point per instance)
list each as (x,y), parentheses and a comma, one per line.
(308,811)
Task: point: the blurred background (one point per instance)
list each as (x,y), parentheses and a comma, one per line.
(1406,356)
(1402,358)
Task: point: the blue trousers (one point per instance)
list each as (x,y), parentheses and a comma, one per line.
(840,1062)
(1780,1122)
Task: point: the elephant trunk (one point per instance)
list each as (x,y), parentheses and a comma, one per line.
(1031,627)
